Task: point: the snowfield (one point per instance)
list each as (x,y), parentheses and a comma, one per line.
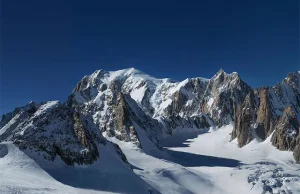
(261,168)
(26,172)
(190,163)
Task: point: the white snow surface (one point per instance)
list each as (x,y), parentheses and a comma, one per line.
(209,163)
(138,94)
(136,83)
(191,163)
(260,164)
(27,172)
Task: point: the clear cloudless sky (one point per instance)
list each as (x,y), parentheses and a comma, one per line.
(48,46)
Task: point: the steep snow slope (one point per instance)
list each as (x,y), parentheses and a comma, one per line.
(55,149)
(28,172)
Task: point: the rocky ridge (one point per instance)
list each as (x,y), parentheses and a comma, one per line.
(271,111)
(133,106)
(52,130)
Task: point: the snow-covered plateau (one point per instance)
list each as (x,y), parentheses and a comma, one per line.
(127,132)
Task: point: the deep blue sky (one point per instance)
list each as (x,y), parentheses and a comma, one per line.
(48,46)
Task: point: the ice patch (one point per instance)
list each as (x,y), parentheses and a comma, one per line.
(138,94)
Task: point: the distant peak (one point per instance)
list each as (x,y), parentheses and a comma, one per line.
(234,73)
(132,70)
(293,79)
(221,72)
(127,71)
(98,73)
(292,75)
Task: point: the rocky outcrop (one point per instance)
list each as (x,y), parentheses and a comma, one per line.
(22,112)
(256,115)
(114,112)
(56,130)
(13,119)
(271,110)
(223,93)
(296,153)
(243,125)
(121,122)
(286,134)
(265,119)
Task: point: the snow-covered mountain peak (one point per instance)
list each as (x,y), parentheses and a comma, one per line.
(219,73)
(293,80)
(221,76)
(158,97)
(180,104)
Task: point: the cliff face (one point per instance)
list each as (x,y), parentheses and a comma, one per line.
(271,111)
(286,133)
(170,106)
(224,94)
(56,130)
(244,116)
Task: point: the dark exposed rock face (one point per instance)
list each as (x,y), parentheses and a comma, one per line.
(26,112)
(223,92)
(286,134)
(115,113)
(255,114)
(243,126)
(271,110)
(296,153)
(19,115)
(264,115)
(121,122)
(184,102)
(57,130)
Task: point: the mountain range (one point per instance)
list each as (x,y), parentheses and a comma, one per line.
(131,106)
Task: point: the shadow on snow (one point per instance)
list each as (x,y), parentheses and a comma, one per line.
(192,160)
(181,139)
(104,175)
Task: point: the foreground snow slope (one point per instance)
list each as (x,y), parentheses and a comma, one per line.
(192,163)
(27,172)
(163,174)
